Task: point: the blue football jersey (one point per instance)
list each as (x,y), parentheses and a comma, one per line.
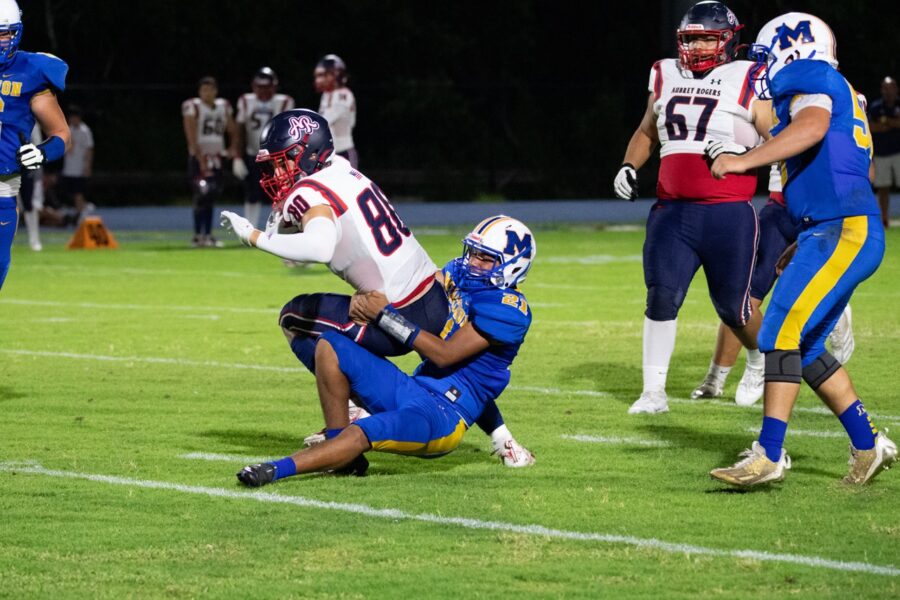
(30,74)
(500,316)
(831,179)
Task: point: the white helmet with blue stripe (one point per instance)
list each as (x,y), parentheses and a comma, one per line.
(509,242)
(10,22)
(781,41)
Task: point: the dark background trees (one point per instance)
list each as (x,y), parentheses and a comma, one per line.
(457,100)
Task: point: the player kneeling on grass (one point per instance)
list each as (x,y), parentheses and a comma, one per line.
(465,368)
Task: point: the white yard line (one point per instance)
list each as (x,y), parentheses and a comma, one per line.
(806,432)
(393,514)
(619,441)
(159,307)
(211,456)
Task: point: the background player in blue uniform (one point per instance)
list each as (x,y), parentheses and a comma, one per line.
(822,137)
(465,369)
(30,82)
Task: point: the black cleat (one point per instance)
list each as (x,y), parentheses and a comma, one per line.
(358,467)
(257,475)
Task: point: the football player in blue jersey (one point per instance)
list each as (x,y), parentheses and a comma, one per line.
(465,368)
(29,83)
(821,136)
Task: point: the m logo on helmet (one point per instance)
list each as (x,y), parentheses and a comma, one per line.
(788,36)
(300,125)
(516,244)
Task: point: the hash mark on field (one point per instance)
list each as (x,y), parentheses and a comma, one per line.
(807,432)
(467,523)
(626,441)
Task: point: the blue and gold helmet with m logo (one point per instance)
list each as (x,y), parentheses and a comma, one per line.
(511,245)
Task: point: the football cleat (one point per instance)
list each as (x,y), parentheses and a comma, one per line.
(754,469)
(355,412)
(257,475)
(751,387)
(650,403)
(710,388)
(866,464)
(841,337)
(513,454)
(358,467)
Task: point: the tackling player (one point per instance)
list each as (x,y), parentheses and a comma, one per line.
(465,368)
(822,138)
(337,105)
(346,222)
(254,110)
(703,95)
(31,81)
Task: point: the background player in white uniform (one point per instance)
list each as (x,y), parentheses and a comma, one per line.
(703,95)
(337,104)
(339,217)
(254,111)
(206,120)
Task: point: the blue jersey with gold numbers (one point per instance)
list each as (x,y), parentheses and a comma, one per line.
(831,179)
(30,74)
(500,316)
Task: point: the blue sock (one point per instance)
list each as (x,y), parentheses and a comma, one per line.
(771,437)
(284,468)
(332,433)
(305,349)
(859,426)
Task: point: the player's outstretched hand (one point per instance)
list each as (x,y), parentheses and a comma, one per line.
(715,148)
(239,168)
(364,307)
(626,183)
(238,224)
(30,157)
(513,454)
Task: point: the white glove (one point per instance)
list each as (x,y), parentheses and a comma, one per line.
(513,454)
(238,224)
(625,184)
(30,156)
(238,168)
(715,148)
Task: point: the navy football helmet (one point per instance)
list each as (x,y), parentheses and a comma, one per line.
(10,22)
(704,19)
(265,76)
(332,63)
(294,144)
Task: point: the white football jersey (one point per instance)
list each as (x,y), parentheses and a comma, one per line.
(375,250)
(254,113)
(211,121)
(689,112)
(339,109)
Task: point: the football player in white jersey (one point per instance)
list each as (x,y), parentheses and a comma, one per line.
(337,104)
(254,110)
(328,212)
(704,95)
(206,120)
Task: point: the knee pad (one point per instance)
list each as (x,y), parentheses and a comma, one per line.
(663,303)
(820,370)
(784,366)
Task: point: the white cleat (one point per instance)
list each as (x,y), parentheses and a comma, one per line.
(710,388)
(866,464)
(650,403)
(36,246)
(751,387)
(841,337)
(513,454)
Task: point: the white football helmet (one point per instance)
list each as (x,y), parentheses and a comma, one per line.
(510,242)
(781,41)
(10,21)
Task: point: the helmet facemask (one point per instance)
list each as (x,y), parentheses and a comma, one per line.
(699,60)
(279,171)
(9,46)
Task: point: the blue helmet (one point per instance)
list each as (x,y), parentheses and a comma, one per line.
(10,22)
(294,144)
(505,240)
(708,18)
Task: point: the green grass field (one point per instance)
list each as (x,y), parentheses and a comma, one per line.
(136,382)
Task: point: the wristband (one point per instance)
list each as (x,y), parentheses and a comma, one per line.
(629,165)
(397,326)
(53,148)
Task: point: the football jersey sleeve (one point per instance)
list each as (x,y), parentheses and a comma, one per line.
(655,83)
(503,318)
(242,110)
(188,108)
(288,103)
(808,77)
(53,71)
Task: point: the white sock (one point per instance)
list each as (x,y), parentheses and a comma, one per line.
(659,344)
(755,359)
(718,373)
(31,224)
(501,435)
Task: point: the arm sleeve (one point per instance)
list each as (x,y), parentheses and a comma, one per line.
(806,100)
(315,244)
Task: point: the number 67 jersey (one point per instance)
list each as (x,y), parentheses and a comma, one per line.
(691,111)
(375,250)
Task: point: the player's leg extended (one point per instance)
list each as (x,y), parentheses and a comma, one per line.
(9,221)
(725,355)
(670,262)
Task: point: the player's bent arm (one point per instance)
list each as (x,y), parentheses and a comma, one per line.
(315,244)
(761,114)
(463,344)
(46,110)
(645,138)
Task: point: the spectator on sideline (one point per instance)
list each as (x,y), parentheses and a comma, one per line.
(78,164)
(884,119)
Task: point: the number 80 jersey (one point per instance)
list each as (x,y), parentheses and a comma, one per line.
(375,250)
(691,111)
